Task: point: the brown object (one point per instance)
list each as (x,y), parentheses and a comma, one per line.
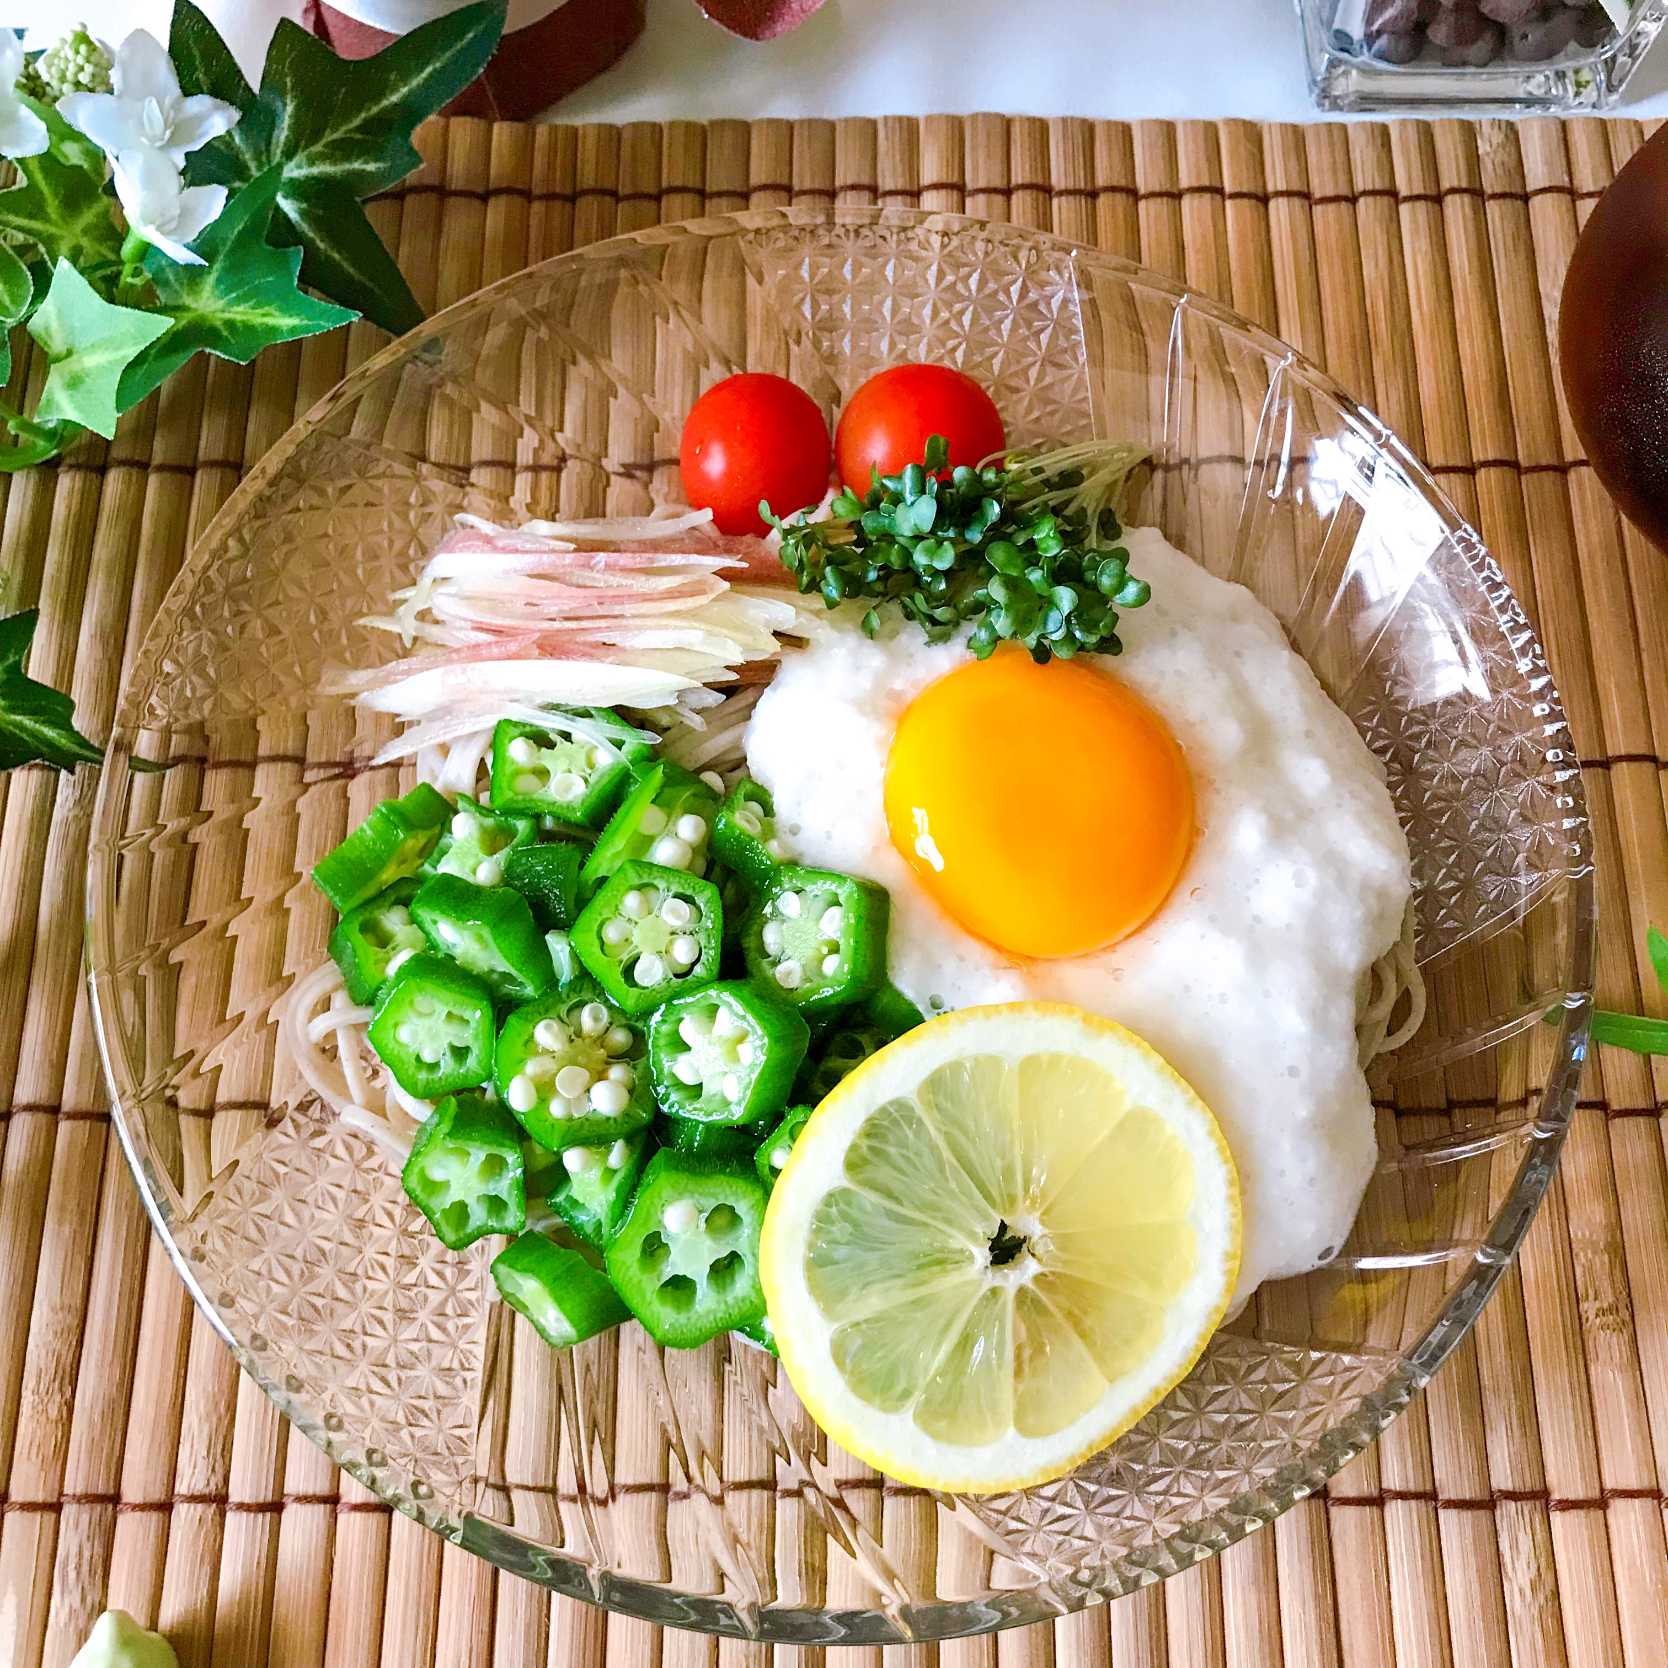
(532,68)
(1613,339)
(1512,1515)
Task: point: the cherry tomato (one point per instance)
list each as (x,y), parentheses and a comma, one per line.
(749,437)
(889,420)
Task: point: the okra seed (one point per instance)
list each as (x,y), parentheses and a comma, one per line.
(686,1070)
(575,1159)
(713,780)
(694,1030)
(618,1154)
(521,1094)
(594,758)
(778,1157)
(615,932)
(789,974)
(671,852)
(748,822)
(772,936)
(732,1087)
(610,1099)
(634,906)
(725,1023)
(692,828)
(680,1217)
(830,966)
(463,826)
(617,1041)
(522,751)
(685,951)
(652,822)
(775,850)
(448,932)
(406,1034)
(396,962)
(431,1054)
(593,1019)
(551,1034)
(790,904)
(528,782)
(744,1052)
(399,916)
(567,786)
(622,1073)
(490,871)
(572,1080)
(832,921)
(650,971)
(675,913)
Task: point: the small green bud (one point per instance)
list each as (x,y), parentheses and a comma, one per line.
(76,64)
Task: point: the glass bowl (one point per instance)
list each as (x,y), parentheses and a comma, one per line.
(1570,55)
(691,1488)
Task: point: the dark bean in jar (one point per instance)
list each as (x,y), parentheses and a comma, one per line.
(1472,34)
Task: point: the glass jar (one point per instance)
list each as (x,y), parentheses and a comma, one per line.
(1500,54)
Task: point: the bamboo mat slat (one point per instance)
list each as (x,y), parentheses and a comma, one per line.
(1512,1518)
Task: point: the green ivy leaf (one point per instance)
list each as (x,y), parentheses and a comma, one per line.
(61,209)
(35,442)
(341,129)
(90,342)
(1656,946)
(243,300)
(37,722)
(71,146)
(17,289)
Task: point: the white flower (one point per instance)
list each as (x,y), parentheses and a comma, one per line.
(22,132)
(145,109)
(148,185)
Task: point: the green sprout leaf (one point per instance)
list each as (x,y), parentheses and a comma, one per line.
(90,342)
(1025,553)
(341,130)
(243,300)
(37,722)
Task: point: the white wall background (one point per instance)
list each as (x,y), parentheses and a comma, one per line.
(1113,58)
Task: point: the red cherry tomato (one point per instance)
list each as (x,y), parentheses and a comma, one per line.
(749,437)
(889,420)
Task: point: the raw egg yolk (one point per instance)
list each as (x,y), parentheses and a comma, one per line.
(1047,809)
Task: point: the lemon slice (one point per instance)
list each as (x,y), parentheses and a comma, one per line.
(996,1244)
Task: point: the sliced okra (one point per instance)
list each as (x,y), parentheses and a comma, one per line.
(571,1068)
(746,836)
(574,767)
(726,1054)
(666,819)
(477,842)
(651,933)
(817,938)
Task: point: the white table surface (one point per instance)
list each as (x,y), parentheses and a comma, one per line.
(1111,58)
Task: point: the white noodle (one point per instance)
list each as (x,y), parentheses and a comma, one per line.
(1392,975)
(346,1082)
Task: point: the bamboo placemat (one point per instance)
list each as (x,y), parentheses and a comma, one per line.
(1513,1515)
